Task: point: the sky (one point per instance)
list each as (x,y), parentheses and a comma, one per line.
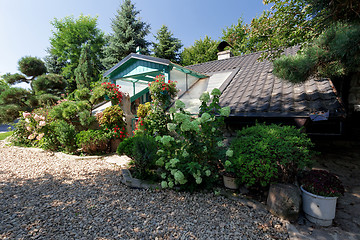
(25,25)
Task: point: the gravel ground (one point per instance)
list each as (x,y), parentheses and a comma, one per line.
(47,197)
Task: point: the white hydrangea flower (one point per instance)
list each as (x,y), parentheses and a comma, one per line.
(229,153)
(205,117)
(171,127)
(163,175)
(179,104)
(205,97)
(198,180)
(225,111)
(220,144)
(164,184)
(207,173)
(215,92)
(185,153)
(171,184)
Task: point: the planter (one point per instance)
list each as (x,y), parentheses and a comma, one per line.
(318,209)
(114,143)
(230,182)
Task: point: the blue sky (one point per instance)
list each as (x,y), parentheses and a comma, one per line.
(25,24)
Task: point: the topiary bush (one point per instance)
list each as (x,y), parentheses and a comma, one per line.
(144,150)
(264,154)
(126,147)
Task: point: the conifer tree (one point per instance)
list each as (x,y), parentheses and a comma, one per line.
(85,73)
(168,46)
(128,33)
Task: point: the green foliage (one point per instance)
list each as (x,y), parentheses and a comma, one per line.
(32,66)
(265,154)
(143,110)
(128,33)
(51,83)
(15,78)
(12,101)
(144,150)
(47,99)
(92,141)
(3,85)
(202,51)
(66,135)
(68,36)
(112,92)
(126,147)
(168,47)
(237,37)
(86,72)
(76,113)
(189,154)
(333,54)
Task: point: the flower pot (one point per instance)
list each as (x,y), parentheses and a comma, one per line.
(114,143)
(230,182)
(318,209)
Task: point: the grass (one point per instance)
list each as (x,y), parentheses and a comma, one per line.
(5,135)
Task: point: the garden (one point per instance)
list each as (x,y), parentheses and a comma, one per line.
(175,149)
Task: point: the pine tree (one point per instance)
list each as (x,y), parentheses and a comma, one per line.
(168,47)
(128,33)
(85,73)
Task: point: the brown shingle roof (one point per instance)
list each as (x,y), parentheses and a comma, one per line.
(255,91)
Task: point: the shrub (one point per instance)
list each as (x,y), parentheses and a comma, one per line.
(264,154)
(162,92)
(126,147)
(112,120)
(144,155)
(143,110)
(66,135)
(92,141)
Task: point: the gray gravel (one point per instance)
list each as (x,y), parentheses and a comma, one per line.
(43,196)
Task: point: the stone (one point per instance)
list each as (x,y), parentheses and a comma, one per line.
(284,201)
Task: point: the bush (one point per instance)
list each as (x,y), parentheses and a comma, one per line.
(265,154)
(143,110)
(112,121)
(126,147)
(66,135)
(92,141)
(144,155)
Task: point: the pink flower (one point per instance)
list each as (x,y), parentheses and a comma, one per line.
(42,123)
(29,128)
(31,136)
(26,114)
(37,117)
(40,136)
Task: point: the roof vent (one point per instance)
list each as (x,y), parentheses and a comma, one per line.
(222,54)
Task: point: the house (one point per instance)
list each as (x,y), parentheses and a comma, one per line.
(247,85)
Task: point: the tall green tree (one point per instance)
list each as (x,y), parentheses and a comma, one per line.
(167,45)
(128,33)
(237,36)
(85,73)
(202,51)
(65,44)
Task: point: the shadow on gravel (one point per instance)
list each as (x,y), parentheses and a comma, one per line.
(98,206)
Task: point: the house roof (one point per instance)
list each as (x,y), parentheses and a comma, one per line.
(255,92)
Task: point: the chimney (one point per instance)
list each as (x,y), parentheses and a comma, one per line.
(224,54)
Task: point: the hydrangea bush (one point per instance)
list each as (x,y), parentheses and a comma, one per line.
(189,154)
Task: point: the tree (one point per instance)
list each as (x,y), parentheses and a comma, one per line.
(334,52)
(85,73)
(30,67)
(202,51)
(168,47)
(128,33)
(66,42)
(237,36)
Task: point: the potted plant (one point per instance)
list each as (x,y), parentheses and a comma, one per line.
(229,174)
(320,190)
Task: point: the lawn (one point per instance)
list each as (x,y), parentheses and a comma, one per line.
(5,135)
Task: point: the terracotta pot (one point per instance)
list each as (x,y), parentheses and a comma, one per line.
(114,143)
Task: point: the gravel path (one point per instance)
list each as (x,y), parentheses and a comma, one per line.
(46,197)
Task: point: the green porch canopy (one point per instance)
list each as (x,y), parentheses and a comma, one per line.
(136,71)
